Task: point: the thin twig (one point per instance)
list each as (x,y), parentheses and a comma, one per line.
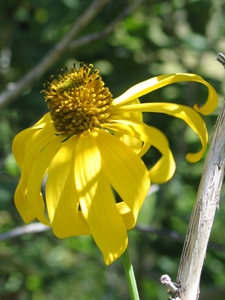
(67,44)
(163,233)
(173,288)
(21,230)
(54,54)
(108,29)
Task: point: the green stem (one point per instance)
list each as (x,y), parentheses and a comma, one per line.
(130,276)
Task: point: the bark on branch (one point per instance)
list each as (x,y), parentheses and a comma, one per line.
(208,197)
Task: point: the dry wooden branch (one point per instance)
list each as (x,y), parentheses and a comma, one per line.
(195,245)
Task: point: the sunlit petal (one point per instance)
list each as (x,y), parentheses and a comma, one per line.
(97,200)
(31,141)
(19,145)
(187,114)
(126,214)
(129,177)
(130,141)
(40,167)
(62,200)
(154,83)
(29,161)
(20,199)
(164,169)
(44,121)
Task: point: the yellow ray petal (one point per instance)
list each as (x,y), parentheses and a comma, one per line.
(36,176)
(154,83)
(27,162)
(96,199)
(31,140)
(164,169)
(61,196)
(187,114)
(126,214)
(135,144)
(133,114)
(130,141)
(44,121)
(20,199)
(145,148)
(125,171)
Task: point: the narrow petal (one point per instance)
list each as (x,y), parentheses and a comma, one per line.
(28,161)
(164,169)
(34,197)
(31,140)
(187,114)
(154,83)
(61,196)
(130,141)
(125,171)
(20,199)
(96,199)
(24,140)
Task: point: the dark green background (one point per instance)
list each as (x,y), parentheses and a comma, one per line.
(159,37)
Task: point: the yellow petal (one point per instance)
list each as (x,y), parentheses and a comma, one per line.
(133,143)
(39,169)
(133,114)
(61,196)
(130,141)
(44,121)
(96,199)
(127,215)
(154,83)
(125,171)
(164,169)
(19,145)
(27,147)
(187,114)
(20,199)
(31,140)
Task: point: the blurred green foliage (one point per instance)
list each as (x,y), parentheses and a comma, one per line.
(159,37)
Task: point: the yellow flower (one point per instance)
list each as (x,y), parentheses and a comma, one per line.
(89,147)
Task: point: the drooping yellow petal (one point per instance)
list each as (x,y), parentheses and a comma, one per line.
(61,196)
(154,83)
(27,147)
(96,199)
(187,114)
(125,171)
(20,199)
(164,169)
(19,145)
(39,169)
(130,141)
(31,140)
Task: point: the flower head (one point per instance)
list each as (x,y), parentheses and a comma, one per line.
(78,101)
(89,148)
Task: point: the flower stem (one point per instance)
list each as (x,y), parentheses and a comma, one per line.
(130,276)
